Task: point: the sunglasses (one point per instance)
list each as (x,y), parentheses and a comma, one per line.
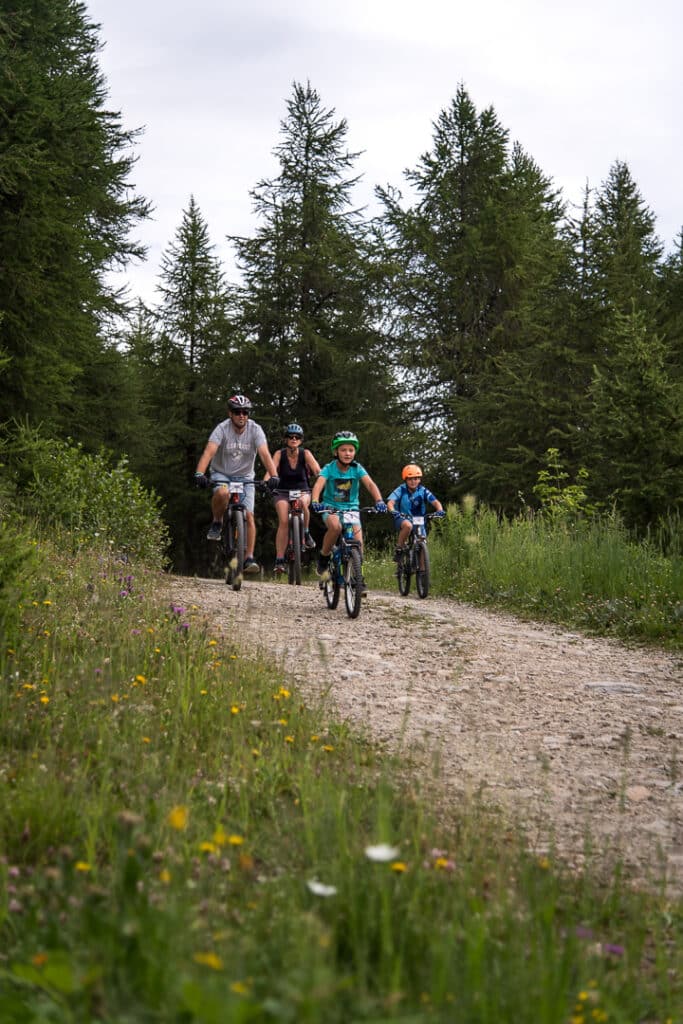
(294,437)
(240,412)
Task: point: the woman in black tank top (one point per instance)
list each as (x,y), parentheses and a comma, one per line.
(295,465)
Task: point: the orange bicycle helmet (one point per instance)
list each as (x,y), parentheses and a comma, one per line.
(411,470)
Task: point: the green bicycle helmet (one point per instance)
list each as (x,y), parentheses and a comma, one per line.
(345,437)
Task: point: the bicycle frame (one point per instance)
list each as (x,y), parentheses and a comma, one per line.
(295,537)
(346,559)
(414,559)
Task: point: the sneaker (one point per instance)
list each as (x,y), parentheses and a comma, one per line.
(397,555)
(309,542)
(323,564)
(215,531)
(280,566)
(251,565)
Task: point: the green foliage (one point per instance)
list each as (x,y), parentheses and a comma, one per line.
(66,207)
(636,429)
(166,802)
(95,498)
(561,502)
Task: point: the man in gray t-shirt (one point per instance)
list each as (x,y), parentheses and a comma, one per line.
(231,450)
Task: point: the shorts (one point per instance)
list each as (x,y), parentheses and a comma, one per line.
(284,495)
(218,479)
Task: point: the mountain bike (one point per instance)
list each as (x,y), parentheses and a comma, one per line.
(295,538)
(234,532)
(413,560)
(346,561)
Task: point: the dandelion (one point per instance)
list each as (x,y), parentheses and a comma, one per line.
(282,721)
(83,866)
(165,876)
(399,866)
(141,679)
(320,889)
(289,739)
(235,840)
(444,864)
(44,699)
(203,692)
(146,739)
(239,988)
(220,837)
(177,817)
(255,752)
(283,692)
(115,698)
(314,738)
(234,710)
(209,960)
(328,748)
(47,603)
(207,847)
(381,853)
(543,863)
(212,643)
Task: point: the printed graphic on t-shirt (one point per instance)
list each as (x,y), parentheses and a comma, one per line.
(342,490)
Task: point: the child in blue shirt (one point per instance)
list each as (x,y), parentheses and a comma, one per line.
(339,488)
(410,499)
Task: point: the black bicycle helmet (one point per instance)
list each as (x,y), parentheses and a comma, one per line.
(294,428)
(239,403)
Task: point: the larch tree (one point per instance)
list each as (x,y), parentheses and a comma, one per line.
(67,208)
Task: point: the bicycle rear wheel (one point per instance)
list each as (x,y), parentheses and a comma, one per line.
(353,584)
(421,556)
(295,555)
(403,573)
(236,563)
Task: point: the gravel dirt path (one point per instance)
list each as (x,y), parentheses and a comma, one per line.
(571,735)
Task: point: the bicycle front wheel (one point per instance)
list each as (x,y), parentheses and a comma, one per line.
(421,556)
(295,557)
(353,580)
(403,573)
(236,565)
(331,587)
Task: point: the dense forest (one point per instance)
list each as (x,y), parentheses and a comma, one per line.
(472,327)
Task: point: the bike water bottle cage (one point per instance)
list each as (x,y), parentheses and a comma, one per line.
(344,437)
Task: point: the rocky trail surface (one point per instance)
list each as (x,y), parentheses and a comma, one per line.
(572,735)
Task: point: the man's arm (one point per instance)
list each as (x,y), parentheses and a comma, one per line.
(206,456)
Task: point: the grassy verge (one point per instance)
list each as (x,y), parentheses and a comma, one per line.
(183,840)
(589,575)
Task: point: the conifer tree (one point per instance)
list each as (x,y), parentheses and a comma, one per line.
(637,424)
(308,307)
(477,264)
(66,206)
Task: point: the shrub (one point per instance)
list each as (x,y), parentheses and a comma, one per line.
(95,498)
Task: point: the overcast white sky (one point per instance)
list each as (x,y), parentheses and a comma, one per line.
(578,85)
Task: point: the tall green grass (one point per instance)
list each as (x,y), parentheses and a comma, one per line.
(183,840)
(588,573)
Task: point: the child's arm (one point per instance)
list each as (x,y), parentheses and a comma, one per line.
(372,487)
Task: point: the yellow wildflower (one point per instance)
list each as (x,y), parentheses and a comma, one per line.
(209,960)
(177,817)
